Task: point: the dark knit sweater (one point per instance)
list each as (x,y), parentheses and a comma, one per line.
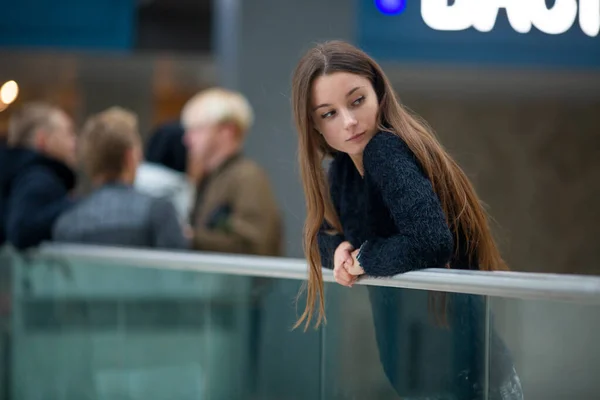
(392,212)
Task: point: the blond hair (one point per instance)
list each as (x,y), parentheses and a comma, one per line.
(464,213)
(27,120)
(218,105)
(105,140)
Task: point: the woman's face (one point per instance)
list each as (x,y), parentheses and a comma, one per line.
(344,109)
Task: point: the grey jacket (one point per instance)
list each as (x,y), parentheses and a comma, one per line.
(118,215)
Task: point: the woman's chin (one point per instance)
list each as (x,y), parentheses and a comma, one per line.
(355,149)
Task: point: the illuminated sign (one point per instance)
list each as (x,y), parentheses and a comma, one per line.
(391,7)
(541,33)
(522,15)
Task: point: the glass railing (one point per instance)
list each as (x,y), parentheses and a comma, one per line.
(108,323)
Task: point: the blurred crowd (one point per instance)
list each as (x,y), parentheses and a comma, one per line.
(189,186)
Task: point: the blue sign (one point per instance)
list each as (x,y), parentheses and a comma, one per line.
(405,36)
(73,24)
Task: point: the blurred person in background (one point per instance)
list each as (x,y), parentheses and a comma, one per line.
(166,147)
(235,209)
(115,213)
(163,172)
(36,174)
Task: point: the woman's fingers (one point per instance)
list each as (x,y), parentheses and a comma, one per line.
(353,269)
(343,277)
(348,260)
(340,271)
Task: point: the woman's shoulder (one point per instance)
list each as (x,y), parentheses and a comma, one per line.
(386,147)
(385,142)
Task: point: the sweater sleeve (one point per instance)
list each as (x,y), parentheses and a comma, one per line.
(424,239)
(328,241)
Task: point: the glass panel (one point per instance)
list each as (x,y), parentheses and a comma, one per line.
(83,330)
(554,346)
(104,331)
(5,280)
(388,343)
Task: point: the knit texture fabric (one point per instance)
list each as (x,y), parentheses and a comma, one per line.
(392,212)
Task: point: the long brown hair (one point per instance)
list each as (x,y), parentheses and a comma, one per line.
(462,208)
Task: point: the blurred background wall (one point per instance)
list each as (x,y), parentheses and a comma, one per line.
(519,111)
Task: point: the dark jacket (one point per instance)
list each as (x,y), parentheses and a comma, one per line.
(395,215)
(34,191)
(119,215)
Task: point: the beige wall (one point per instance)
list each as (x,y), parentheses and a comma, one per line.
(536,163)
(152,85)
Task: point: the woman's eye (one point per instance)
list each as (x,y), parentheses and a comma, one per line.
(358,101)
(327,114)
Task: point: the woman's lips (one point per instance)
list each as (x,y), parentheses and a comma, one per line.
(355,137)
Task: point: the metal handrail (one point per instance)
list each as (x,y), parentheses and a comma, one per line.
(572,288)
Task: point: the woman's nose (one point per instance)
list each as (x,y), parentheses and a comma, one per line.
(349,119)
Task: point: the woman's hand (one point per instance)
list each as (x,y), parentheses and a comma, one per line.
(354,269)
(341,259)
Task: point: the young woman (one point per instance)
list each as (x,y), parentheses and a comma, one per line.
(395,200)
